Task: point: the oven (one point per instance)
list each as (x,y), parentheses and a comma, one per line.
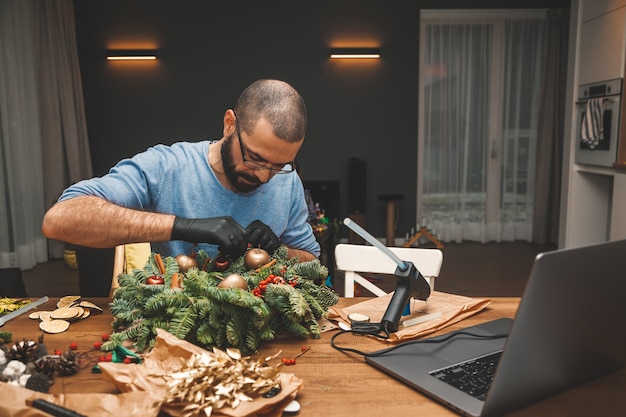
(604,151)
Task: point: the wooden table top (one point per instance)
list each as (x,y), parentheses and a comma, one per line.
(335,383)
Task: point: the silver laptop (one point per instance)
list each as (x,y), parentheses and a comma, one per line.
(570,328)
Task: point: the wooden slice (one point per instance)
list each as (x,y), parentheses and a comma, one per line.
(45,315)
(66,313)
(89,304)
(68,300)
(54,326)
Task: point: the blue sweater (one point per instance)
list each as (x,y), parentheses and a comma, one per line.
(178,180)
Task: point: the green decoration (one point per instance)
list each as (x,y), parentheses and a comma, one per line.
(5,337)
(286,296)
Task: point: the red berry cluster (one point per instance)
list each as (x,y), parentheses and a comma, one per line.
(105,357)
(271,279)
(292,361)
(108,357)
(289,361)
(96,345)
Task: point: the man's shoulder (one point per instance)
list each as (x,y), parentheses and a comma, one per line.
(286,187)
(180,150)
(182,146)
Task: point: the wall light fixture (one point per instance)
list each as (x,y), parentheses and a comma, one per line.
(355,53)
(131,54)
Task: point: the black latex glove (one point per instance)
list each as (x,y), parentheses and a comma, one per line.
(260,235)
(230,236)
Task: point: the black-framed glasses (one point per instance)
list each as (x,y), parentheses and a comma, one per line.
(276,169)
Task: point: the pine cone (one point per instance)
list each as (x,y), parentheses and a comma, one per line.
(24,351)
(38,382)
(46,366)
(68,363)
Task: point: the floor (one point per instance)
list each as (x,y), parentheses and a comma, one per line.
(469,268)
(53,278)
(492,269)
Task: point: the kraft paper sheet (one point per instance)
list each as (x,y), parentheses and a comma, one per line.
(450,309)
(143,390)
(15,402)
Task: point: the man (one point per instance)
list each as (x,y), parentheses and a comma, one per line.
(217,196)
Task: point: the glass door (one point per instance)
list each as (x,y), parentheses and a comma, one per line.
(479,85)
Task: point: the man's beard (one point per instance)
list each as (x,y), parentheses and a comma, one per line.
(231,173)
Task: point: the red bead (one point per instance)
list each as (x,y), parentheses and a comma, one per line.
(73,346)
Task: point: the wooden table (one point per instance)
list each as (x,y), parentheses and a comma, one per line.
(338,384)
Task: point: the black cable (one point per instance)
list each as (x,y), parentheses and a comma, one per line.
(358,352)
(382,352)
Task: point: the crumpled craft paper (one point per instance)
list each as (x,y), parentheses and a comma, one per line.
(142,395)
(167,356)
(453,308)
(15,402)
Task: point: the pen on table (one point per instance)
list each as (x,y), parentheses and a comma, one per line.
(54,410)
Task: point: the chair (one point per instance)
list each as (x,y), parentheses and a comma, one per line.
(127,258)
(11,283)
(355,259)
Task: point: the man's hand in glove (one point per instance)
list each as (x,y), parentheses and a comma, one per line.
(230,236)
(260,235)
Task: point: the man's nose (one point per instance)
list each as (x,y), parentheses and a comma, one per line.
(264,175)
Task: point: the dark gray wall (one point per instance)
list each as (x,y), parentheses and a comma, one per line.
(210,51)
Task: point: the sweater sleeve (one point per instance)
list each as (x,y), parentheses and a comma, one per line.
(132,183)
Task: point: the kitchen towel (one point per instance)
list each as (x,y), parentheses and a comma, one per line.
(592,129)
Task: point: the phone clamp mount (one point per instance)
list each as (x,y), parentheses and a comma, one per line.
(410,283)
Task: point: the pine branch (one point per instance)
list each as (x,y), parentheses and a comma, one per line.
(182,322)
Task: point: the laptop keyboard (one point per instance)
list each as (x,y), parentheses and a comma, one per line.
(473,377)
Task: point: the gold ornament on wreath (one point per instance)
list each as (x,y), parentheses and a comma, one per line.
(218,302)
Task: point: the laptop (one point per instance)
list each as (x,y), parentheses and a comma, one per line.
(570,328)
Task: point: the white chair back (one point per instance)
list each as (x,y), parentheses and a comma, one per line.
(353,259)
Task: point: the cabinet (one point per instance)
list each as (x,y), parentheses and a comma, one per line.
(594,198)
(596,8)
(602,45)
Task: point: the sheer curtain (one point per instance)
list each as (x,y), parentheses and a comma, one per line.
(551,131)
(43,139)
(478,124)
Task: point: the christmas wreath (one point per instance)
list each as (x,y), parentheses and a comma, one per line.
(218,302)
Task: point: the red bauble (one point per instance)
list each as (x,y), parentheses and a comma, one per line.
(154,280)
(221,263)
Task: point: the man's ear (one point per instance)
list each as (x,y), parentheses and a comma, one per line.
(229,123)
